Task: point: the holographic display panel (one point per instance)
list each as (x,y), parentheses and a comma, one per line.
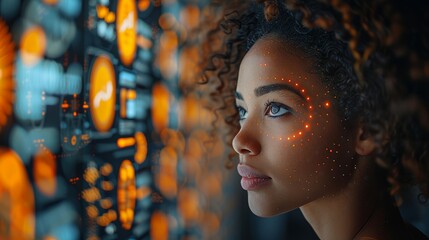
(97,140)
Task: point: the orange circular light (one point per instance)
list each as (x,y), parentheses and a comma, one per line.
(16,198)
(160,107)
(126,28)
(7,84)
(45,172)
(159,226)
(143,5)
(33,45)
(190,16)
(102,93)
(126,194)
(166,180)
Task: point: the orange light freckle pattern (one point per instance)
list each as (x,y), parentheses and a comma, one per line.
(310,108)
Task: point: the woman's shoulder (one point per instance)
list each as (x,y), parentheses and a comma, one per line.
(415,233)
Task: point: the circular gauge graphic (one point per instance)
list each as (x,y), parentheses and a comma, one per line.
(102,93)
(126,194)
(16,198)
(126,28)
(7,58)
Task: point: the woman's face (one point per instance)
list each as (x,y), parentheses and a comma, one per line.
(293,146)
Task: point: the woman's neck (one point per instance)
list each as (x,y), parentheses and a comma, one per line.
(361,209)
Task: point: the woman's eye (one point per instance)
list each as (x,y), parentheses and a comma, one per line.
(242,113)
(276,109)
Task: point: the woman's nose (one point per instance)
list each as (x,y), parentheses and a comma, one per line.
(245,142)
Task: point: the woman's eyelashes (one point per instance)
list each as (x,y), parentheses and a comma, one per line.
(276,109)
(242,113)
(272,110)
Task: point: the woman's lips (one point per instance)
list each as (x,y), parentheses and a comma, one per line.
(250,178)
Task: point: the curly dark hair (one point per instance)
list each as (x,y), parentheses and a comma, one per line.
(361,56)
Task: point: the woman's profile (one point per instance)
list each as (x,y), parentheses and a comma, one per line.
(314,126)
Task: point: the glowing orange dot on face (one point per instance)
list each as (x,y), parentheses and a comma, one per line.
(306,125)
(327,104)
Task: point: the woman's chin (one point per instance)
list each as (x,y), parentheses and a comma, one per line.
(266,211)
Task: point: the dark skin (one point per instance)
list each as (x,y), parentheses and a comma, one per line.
(293,136)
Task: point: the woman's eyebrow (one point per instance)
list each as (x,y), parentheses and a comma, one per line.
(262,90)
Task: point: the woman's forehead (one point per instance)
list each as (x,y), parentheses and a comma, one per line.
(271,60)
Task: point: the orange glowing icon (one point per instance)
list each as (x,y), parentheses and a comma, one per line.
(17,218)
(102,93)
(126,28)
(7,57)
(33,45)
(126,194)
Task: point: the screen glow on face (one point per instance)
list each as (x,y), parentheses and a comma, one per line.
(289,131)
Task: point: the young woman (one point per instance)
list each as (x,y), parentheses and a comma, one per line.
(316,130)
